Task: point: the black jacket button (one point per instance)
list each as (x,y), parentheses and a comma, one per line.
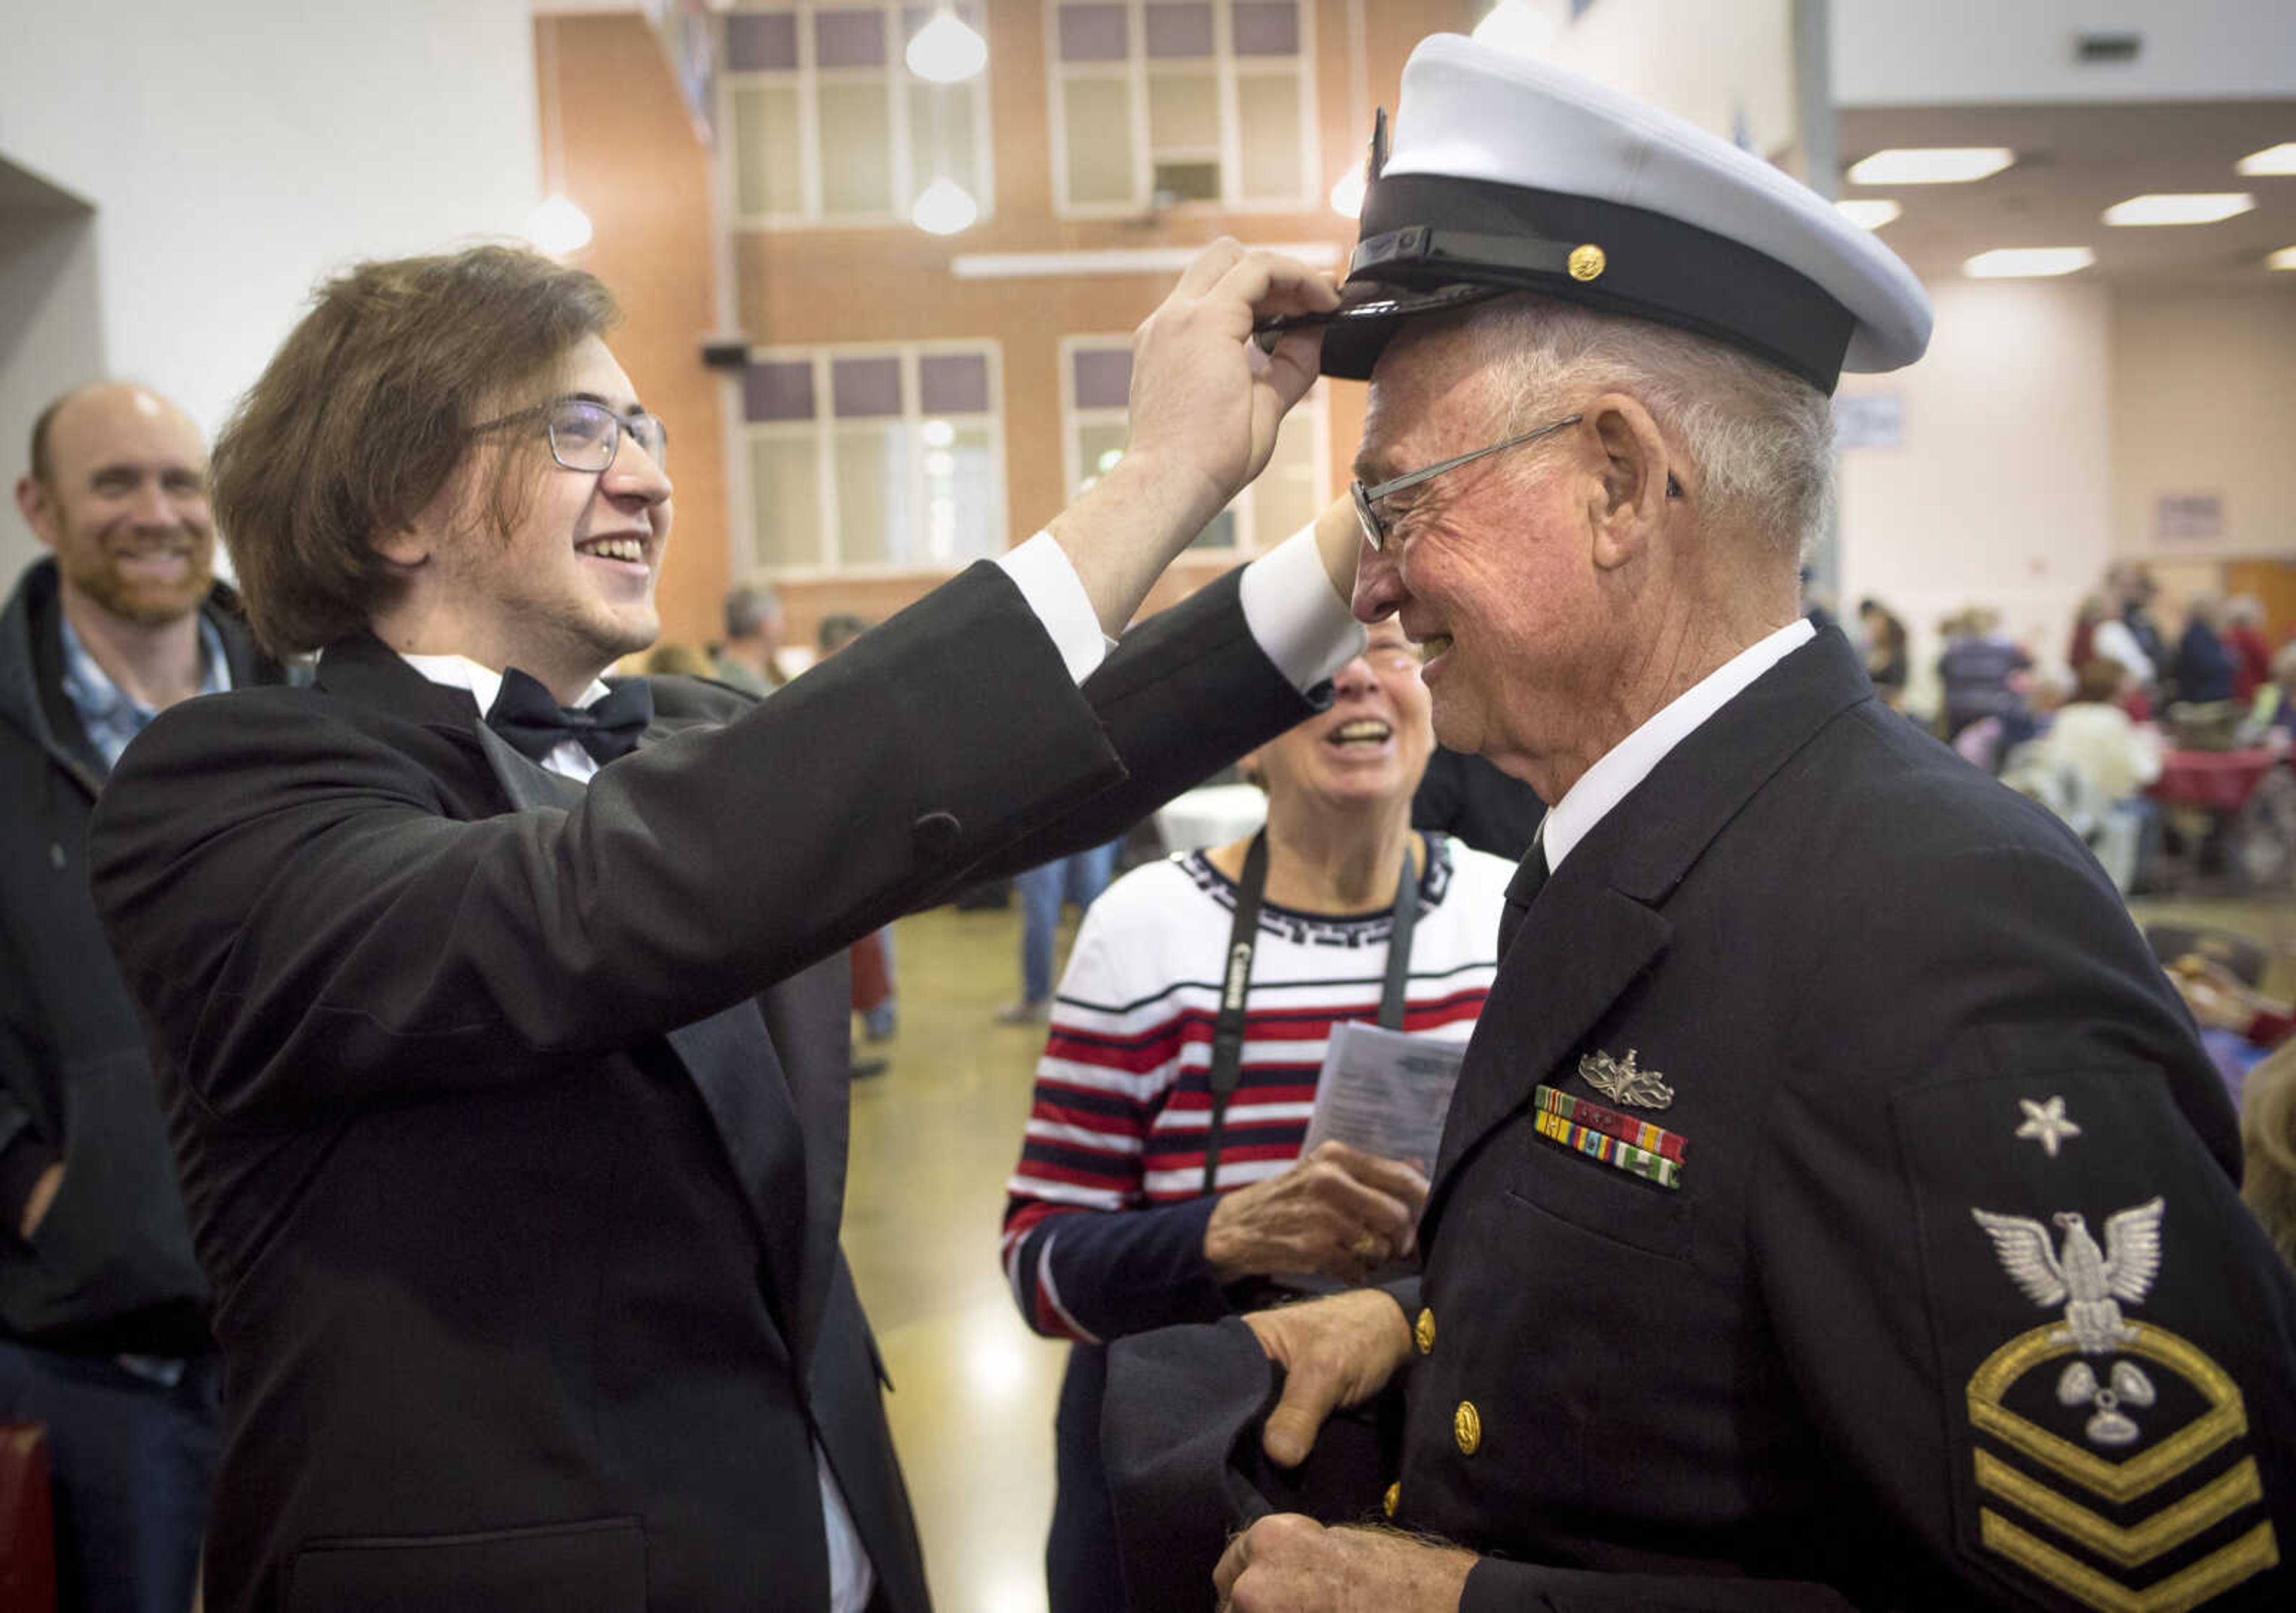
(937,834)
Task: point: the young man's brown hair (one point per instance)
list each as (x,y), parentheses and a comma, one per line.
(360,421)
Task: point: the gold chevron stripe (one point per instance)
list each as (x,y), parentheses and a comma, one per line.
(2217,1572)
(2125,1548)
(2116,1481)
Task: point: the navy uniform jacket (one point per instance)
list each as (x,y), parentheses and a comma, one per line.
(1953,1303)
(512,1117)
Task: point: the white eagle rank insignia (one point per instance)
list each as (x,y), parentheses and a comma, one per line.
(2156,1504)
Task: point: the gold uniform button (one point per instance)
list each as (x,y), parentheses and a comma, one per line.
(1588,262)
(1467,1427)
(1423,1331)
(1394,1496)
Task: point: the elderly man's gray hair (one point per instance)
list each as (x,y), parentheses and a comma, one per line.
(1760,440)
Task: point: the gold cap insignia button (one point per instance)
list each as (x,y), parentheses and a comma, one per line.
(1423,1331)
(1467,1427)
(1588,262)
(1392,1499)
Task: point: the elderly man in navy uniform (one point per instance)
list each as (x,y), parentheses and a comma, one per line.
(1835,1207)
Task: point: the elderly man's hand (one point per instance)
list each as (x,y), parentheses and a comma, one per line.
(1291,1564)
(1334,1353)
(1340,1211)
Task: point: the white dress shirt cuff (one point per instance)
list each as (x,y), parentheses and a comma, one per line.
(1049,583)
(1296,615)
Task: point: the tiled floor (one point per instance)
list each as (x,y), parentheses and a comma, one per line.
(932,1141)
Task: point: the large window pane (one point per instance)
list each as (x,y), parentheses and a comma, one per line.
(778,390)
(787,501)
(1284,497)
(941,134)
(769,175)
(1184,113)
(1099,115)
(1179,29)
(875,526)
(1265,27)
(856,168)
(761,42)
(1269,133)
(953,383)
(959,493)
(1219,535)
(849,39)
(1093,33)
(1098,448)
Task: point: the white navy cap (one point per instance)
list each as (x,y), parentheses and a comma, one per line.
(1515,175)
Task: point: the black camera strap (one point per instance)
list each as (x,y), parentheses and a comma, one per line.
(1236,982)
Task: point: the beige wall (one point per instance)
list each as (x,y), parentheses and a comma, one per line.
(2046,421)
(2001,494)
(2204,401)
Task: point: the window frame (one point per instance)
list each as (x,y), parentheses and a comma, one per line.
(1137,69)
(1250,541)
(822,431)
(807,79)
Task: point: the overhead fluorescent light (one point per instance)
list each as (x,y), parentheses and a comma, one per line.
(1932,165)
(1868,212)
(2193,208)
(2272,160)
(2284,258)
(2006,263)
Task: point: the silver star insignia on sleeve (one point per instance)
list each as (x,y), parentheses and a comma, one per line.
(2045,1123)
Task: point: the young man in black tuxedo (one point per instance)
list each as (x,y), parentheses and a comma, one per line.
(501,1014)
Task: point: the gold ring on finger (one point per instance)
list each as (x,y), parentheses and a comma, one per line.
(1365,1246)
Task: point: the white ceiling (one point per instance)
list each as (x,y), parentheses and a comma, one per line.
(2072,163)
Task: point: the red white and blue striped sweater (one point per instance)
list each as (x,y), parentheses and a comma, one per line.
(1104,1224)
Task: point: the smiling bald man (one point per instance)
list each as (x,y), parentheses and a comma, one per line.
(103,1330)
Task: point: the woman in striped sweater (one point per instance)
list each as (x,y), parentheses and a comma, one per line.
(1134,1204)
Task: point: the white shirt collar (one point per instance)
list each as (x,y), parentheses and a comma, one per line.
(484,683)
(1613,777)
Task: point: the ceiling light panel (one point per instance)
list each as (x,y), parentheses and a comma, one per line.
(2272,160)
(2284,258)
(2013,263)
(2193,208)
(1932,165)
(1868,212)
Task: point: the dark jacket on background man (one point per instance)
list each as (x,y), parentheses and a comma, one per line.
(110,1267)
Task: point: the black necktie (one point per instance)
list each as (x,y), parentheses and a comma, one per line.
(531,719)
(1523,889)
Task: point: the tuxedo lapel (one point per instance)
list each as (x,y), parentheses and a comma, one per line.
(809,1019)
(528,784)
(729,1056)
(1598,922)
(734,1064)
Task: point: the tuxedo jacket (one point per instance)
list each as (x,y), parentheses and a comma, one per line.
(1949,1301)
(511,1115)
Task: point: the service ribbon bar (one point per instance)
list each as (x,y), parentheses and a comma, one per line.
(1601,1145)
(1641,1133)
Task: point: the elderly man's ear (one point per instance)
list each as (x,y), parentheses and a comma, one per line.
(1636,478)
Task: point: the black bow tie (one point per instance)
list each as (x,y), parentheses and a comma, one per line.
(531,719)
